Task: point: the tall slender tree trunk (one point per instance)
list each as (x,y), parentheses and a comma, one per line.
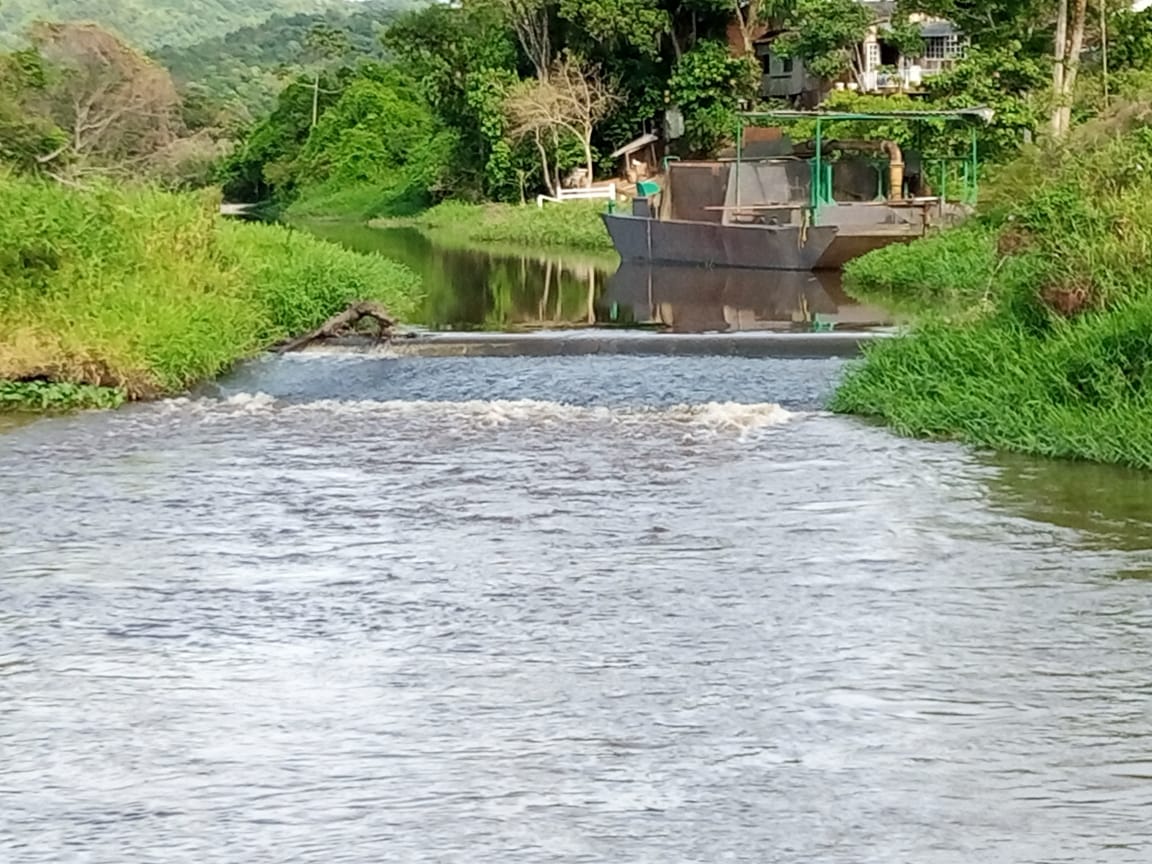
(1060,50)
(316,100)
(587,142)
(1072,64)
(544,162)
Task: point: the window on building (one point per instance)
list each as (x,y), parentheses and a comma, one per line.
(871,56)
(943,47)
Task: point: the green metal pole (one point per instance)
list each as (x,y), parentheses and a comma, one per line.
(739,153)
(975,167)
(818,175)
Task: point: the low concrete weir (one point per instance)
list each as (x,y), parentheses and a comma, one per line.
(635,342)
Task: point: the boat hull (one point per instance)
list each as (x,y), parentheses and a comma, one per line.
(760,247)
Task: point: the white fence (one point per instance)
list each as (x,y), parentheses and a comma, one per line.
(583,193)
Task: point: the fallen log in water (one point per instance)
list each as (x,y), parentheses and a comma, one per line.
(342,324)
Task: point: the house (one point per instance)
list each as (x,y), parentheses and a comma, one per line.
(881,67)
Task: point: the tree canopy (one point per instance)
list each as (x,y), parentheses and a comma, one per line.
(153,23)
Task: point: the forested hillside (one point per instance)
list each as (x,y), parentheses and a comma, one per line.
(152,23)
(244,68)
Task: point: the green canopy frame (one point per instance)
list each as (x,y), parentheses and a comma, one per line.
(821,185)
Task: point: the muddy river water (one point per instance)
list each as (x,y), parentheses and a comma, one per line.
(353,609)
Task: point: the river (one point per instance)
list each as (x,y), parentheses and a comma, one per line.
(353,608)
(515,289)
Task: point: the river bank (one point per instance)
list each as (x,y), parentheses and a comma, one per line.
(118,293)
(1042,305)
(573,225)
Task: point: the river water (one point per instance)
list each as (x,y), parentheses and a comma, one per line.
(517,289)
(584,609)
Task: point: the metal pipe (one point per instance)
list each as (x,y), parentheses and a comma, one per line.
(895,169)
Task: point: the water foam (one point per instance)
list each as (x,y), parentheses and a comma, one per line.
(717,417)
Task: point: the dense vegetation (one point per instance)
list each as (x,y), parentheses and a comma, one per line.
(1042,308)
(152,23)
(244,69)
(145,292)
(513,95)
(573,225)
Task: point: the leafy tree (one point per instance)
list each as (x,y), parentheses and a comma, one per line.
(325,44)
(379,132)
(826,35)
(707,85)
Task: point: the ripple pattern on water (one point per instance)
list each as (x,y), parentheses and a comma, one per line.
(339,614)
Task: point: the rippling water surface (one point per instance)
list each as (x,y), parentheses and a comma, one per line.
(348,609)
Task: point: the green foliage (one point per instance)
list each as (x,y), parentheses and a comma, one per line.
(148,292)
(243,70)
(824,33)
(263,165)
(379,132)
(1056,360)
(995,23)
(1006,79)
(153,23)
(707,85)
(1130,39)
(48,396)
(949,270)
(26,135)
(635,24)
(572,225)
(298,281)
(457,54)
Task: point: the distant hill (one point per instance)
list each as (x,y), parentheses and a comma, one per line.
(243,67)
(153,23)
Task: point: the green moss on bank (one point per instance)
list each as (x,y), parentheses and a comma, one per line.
(144,293)
(1035,332)
(572,225)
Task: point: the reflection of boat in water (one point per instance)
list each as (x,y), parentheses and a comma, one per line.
(796,210)
(699,299)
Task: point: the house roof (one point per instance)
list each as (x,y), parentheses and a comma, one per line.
(938,28)
(634,145)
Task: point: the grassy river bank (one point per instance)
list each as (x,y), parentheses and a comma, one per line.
(127,292)
(573,225)
(1035,317)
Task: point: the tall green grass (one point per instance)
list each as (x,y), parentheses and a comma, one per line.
(571,225)
(147,292)
(1035,332)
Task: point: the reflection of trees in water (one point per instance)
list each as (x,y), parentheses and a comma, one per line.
(470,288)
(534,292)
(1110,506)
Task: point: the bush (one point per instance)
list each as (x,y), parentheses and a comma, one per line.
(148,291)
(1057,359)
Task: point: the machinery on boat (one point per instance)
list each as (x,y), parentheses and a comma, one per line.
(797,211)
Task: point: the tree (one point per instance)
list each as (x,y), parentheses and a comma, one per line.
(326,44)
(116,106)
(571,99)
(826,35)
(707,85)
(28,140)
(530,20)
(1066,65)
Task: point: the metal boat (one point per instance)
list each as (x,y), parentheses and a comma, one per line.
(793,212)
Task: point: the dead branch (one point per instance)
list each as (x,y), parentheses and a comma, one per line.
(343,324)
